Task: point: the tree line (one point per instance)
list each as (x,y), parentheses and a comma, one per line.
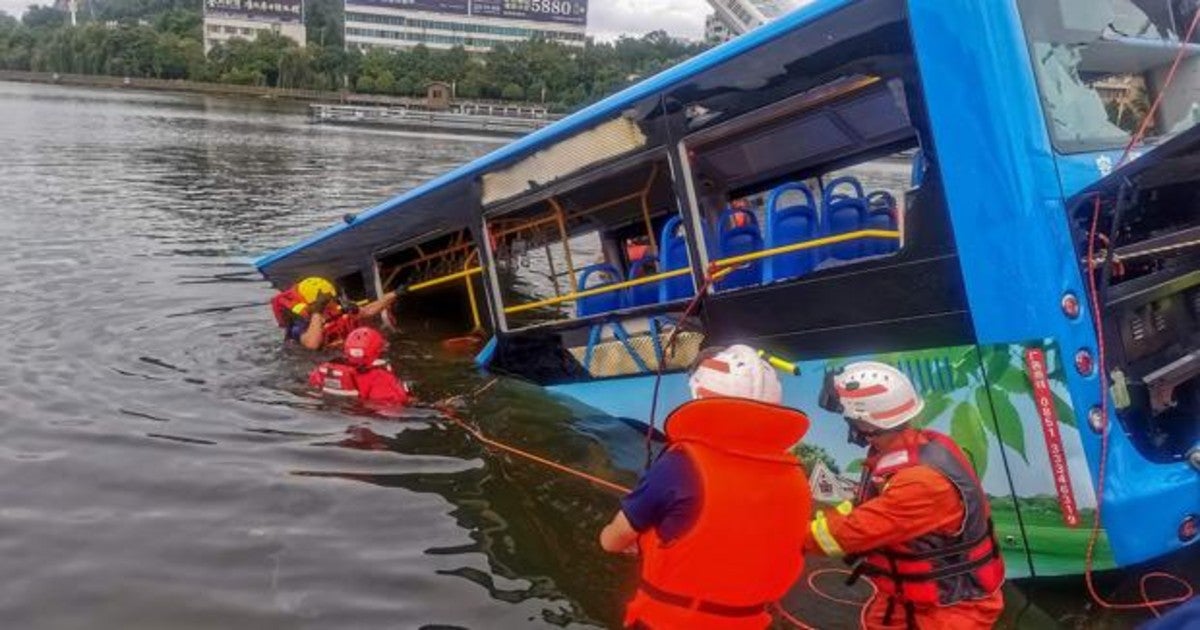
(163,39)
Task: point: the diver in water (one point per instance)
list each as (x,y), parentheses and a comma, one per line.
(920,527)
(313,312)
(720,518)
(362,372)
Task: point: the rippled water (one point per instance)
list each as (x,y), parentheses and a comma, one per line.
(161,465)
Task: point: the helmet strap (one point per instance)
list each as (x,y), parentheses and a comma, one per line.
(861,435)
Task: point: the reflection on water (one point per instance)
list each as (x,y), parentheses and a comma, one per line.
(163,465)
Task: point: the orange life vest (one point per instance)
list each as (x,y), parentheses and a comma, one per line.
(935,569)
(745,549)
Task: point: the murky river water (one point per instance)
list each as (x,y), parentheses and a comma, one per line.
(161,465)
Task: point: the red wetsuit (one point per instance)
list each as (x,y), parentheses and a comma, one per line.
(374,384)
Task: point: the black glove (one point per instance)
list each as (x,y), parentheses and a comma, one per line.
(347,305)
(400,291)
(320,304)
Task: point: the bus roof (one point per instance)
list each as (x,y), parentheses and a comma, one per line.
(581,120)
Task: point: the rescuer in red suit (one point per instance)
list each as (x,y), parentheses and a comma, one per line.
(920,528)
(312,312)
(362,372)
(719,519)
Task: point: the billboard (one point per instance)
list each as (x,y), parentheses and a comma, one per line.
(268,10)
(561,11)
(458,7)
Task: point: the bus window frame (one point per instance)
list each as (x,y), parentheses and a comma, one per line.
(793,107)
(1067,147)
(377,255)
(657,158)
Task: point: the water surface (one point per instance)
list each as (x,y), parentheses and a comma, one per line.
(162,465)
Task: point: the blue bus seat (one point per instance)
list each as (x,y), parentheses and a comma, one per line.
(842,214)
(881,215)
(787,225)
(604,302)
(673,254)
(642,294)
(734,240)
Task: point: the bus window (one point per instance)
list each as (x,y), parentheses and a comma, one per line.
(1098,63)
(443,270)
(785,194)
(591,249)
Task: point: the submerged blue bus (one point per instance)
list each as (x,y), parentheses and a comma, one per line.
(930,183)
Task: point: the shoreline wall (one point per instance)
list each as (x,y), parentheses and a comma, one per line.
(225,89)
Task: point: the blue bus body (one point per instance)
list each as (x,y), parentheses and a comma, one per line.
(1012,202)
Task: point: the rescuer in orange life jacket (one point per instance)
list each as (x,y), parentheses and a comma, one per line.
(720,518)
(920,527)
(362,372)
(312,312)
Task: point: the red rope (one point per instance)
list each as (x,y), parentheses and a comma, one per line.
(669,347)
(1094,299)
(812,585)
(478,435)
(1144,128)
(1089,558)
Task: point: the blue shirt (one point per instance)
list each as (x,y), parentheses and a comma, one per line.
(667,497)
(296,329)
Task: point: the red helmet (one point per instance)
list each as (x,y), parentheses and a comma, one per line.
(364,346)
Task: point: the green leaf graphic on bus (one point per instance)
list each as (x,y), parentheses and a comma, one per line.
(966,428)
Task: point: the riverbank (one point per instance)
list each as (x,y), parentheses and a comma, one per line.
(220,89)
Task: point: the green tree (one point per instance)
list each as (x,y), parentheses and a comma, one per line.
(44,17)
(385,82)
(512,92)
(323,21)
(810,454)
(405,86)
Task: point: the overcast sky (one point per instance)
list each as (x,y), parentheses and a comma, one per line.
(608,19)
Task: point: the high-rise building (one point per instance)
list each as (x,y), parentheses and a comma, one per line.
(716,30)
(476,25)
(740,16)
(227,19)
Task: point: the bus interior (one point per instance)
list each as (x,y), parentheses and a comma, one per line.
(580,262)
(442,268)
(1146,264)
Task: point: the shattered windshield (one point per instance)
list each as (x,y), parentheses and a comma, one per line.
(1099,64)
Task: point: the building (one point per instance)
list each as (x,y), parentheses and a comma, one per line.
(227,19)
(716,30)
(476,25)
(828,487)
(740,16)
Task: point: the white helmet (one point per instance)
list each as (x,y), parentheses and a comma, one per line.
(736,372)
(877,395)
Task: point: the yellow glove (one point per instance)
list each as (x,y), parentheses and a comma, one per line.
(823,537)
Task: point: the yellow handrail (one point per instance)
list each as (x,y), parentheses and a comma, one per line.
(429,284)
(813,244)
(608,288)
(724,264)
(560,215)
(471,293)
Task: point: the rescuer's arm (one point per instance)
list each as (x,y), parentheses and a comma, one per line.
(314,336)
(916,501)
(618,536)
(383,303)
